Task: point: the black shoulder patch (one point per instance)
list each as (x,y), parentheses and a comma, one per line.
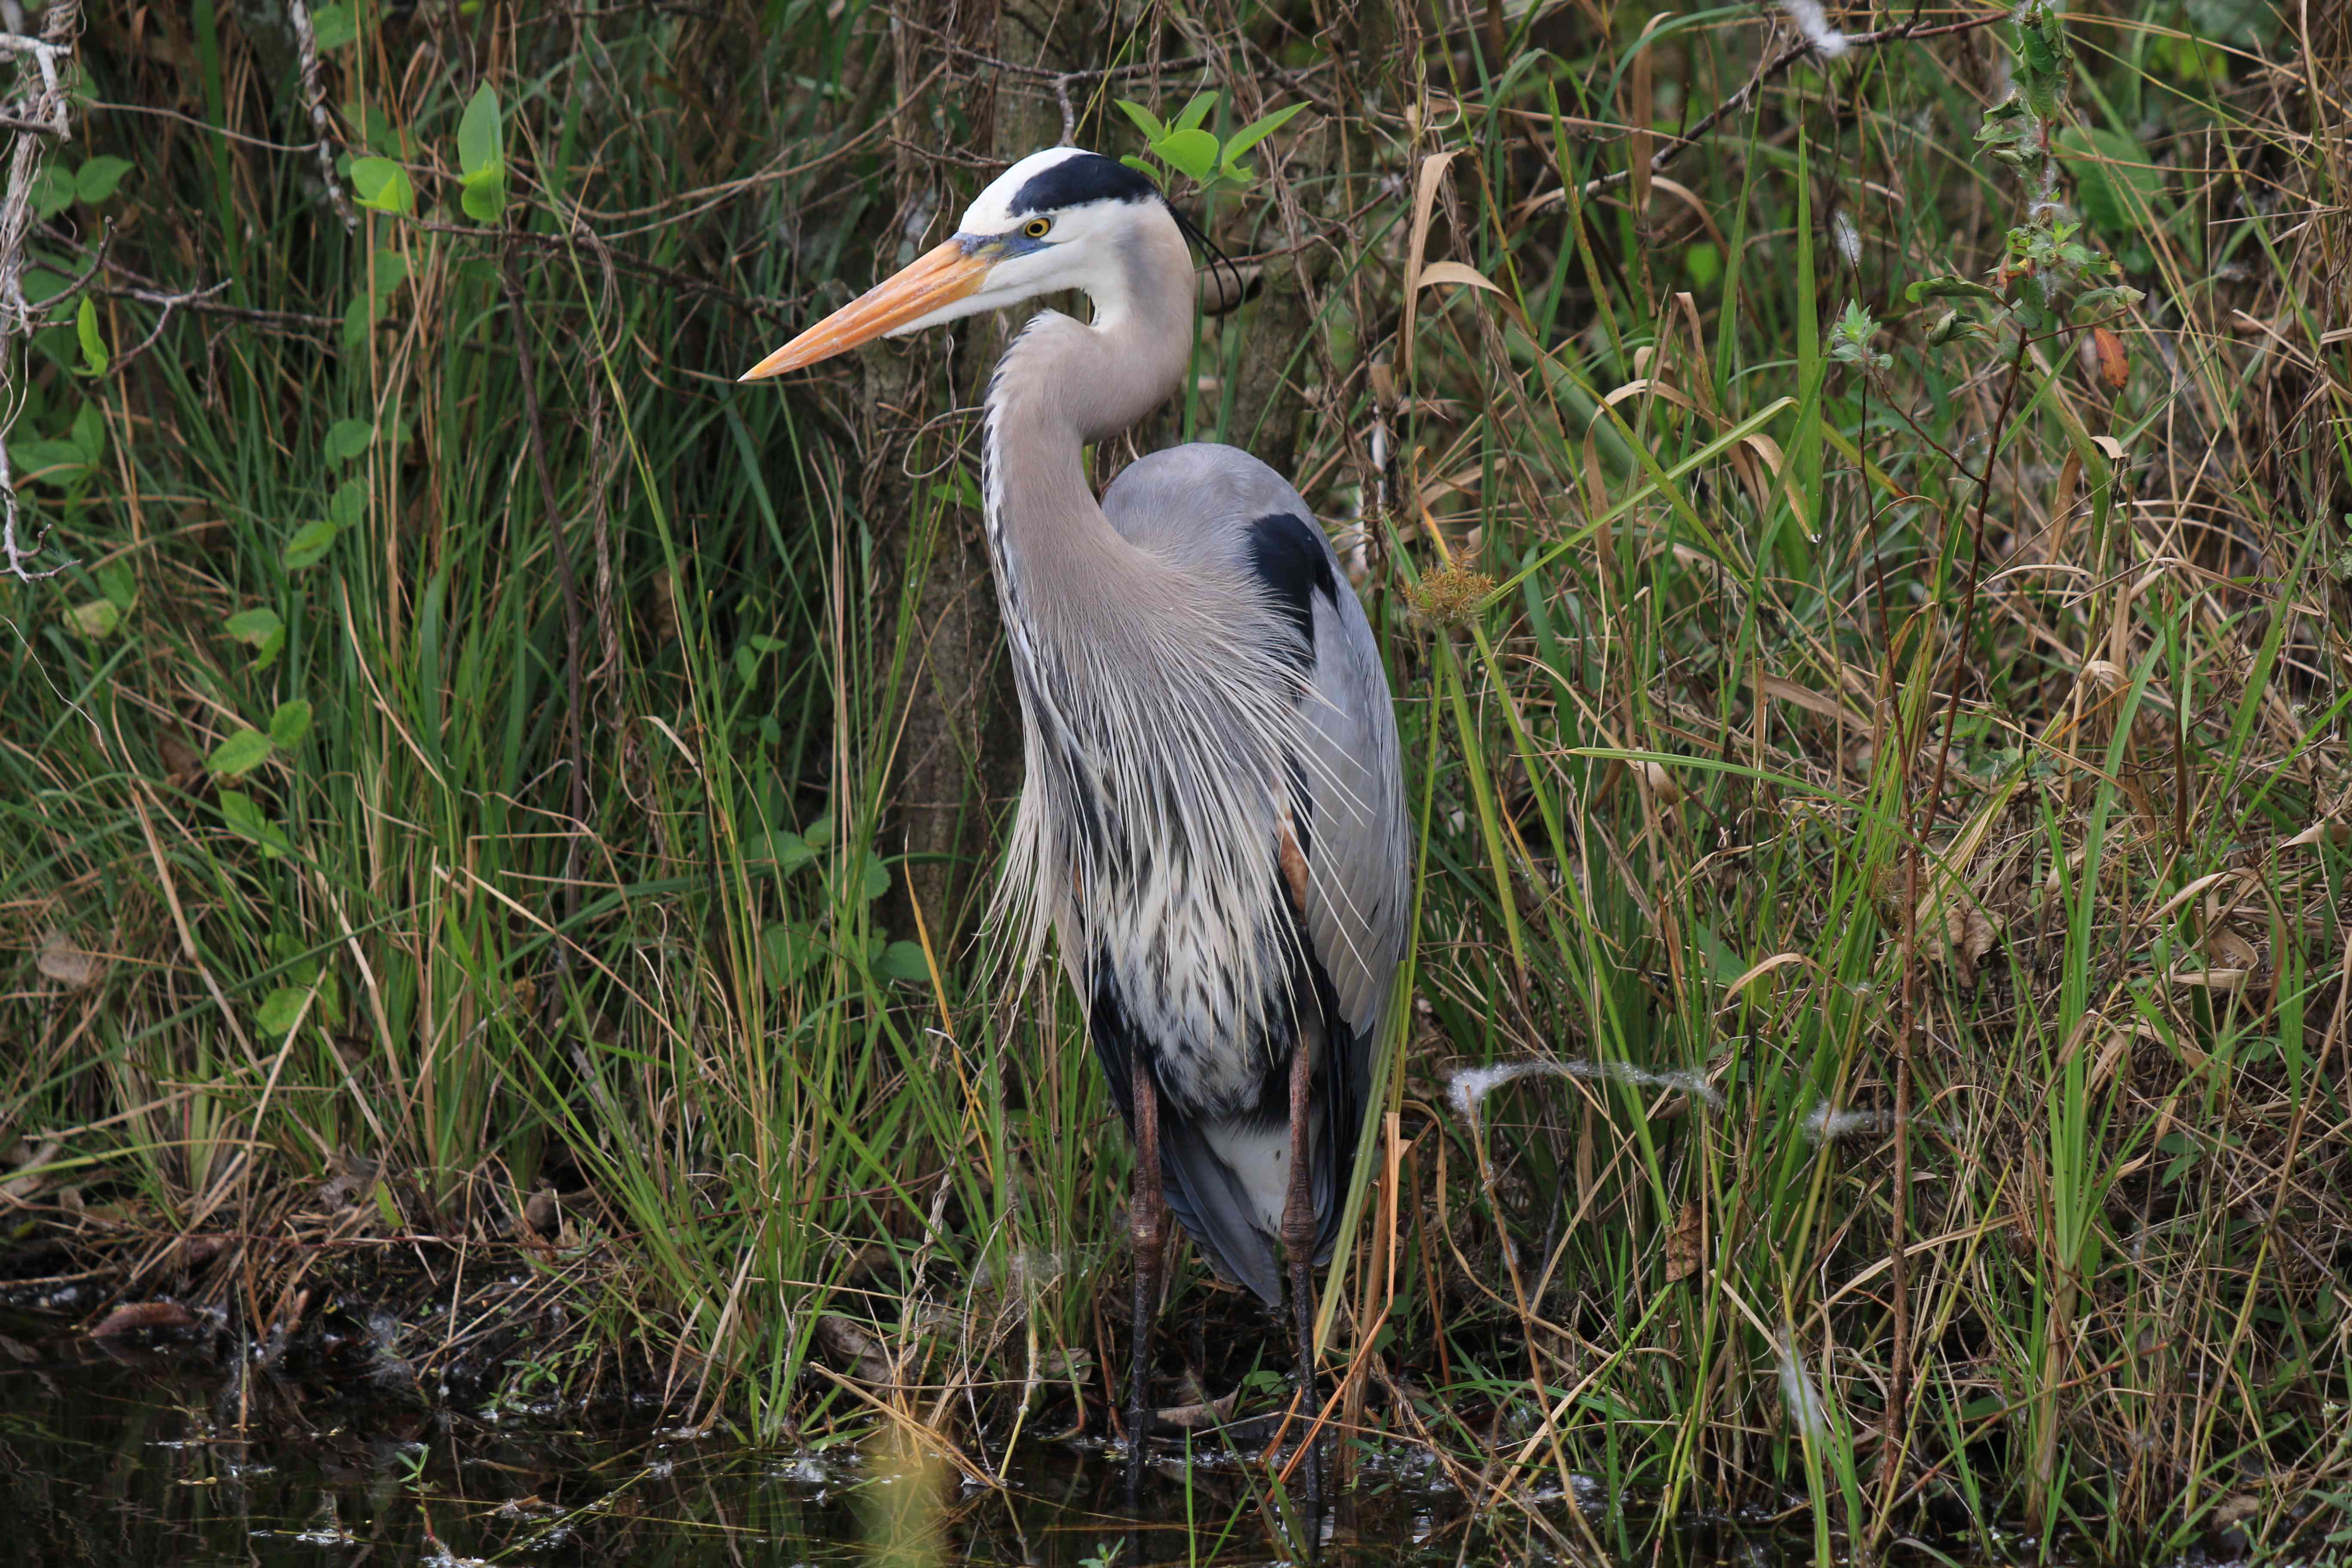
(1088,177)
(1289,557)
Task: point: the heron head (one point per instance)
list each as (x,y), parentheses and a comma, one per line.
(1056,220)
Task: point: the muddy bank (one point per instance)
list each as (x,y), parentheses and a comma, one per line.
(335,1297)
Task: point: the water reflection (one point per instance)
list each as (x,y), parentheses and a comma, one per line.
(125,1459)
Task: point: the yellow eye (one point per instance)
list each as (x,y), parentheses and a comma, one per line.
(1037,227)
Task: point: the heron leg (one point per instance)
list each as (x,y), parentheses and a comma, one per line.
(1298,1228)
(1147,1211)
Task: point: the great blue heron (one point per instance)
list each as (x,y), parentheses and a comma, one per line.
(1212,821)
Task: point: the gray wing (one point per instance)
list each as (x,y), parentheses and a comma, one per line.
(1358,896)
(1217,506)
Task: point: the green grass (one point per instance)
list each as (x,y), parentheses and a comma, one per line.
(1855,741)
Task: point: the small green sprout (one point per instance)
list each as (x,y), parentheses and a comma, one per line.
(1850,335)
(482,157)
(1185,147)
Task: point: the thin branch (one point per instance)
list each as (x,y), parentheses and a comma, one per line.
(1676,145)
(109,107)
(81,280)
(556,245)
(169,303)
(314,95)
(201,302)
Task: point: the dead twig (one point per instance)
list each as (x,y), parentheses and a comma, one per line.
(44,121)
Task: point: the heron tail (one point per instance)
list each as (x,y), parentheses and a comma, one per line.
(1215,1204)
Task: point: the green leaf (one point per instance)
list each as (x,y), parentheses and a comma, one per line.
(903,962)
(2185,1151)
(289,723)
(788,850)
(388,271)
(114,580)
(1258,130)
(259,628)
(255,626)
(1195,113)
(375,128)
(1703,263)
(484,195)
(2114,296)
(94,357)
(958,487)
(866,877)
(95,181)
(1193,152)
(96,619)
(239,810)
(1139,167)
(249,821)
(334,26)
(381,185)
(52,192)
(347,438)
(239,754)
(788,952)
(349,509)
(42,284)
(819,830)
(1144,120)
(309,544)
(280,1011)
(89,431)
(481,141)
(51,462)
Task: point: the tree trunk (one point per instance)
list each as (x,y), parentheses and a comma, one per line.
(958,760)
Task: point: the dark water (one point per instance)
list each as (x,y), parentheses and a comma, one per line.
(126,1458)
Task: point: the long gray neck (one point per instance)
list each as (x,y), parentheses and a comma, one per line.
(1060,386)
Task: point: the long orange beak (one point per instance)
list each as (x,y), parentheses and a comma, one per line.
(937,278)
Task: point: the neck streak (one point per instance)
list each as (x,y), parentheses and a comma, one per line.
(1060,386)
